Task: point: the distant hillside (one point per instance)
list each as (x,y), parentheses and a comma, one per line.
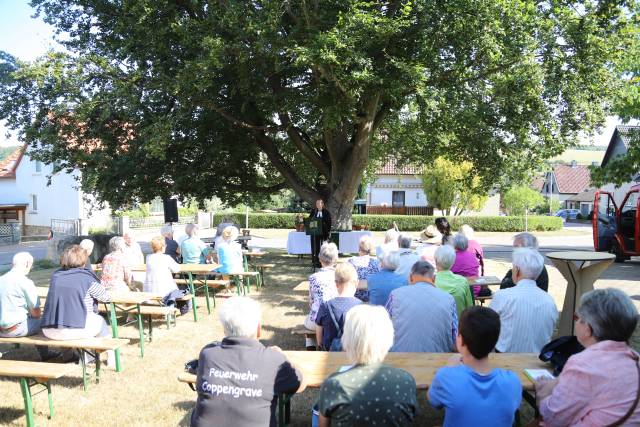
(5,151)
(581,156)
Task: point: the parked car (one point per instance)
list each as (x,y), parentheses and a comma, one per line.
(567,213)
(617,229)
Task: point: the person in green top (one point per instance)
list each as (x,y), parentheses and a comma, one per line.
(457,286)
(369,392)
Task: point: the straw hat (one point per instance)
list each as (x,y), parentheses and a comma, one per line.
(431,235)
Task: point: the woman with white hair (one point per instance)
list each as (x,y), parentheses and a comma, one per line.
(455,285)
(526,240)
(381,284)
(193,249)
(370,390)
(390,243)
(365,265)
(87,245)
(116,271)
(229,252)
(322,287)
(473,246)
(599,386)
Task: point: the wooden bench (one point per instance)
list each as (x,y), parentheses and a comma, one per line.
(302,286)
(483,281)
(32,374)
(316,366)
(150,312)
(302,330)
(207,284)
(91,346)
(261,268)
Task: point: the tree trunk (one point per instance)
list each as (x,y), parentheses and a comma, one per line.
(341,211)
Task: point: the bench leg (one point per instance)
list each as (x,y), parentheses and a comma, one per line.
(194,306)
(141,331)
(83,364)
(150,320)
(206,294)
(114,332)
(28,403)
(50,398)
(98,366)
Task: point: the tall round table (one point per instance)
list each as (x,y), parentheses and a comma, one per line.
(581,269)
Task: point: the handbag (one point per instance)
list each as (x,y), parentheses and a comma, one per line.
(336,343)
(558,351)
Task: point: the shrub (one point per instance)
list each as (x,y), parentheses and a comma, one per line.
(407,222)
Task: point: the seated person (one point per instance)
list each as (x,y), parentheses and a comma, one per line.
(469,389)
(466,263)
(598,386)
(424,318)
(322,286)
(71,311)
(330,319)
(193,249)
(159,278)
(454,284)
(239,379)
(226,222)
(527,313)
(87,245)
(116,273)
(171,246)
(365,265)
(390,243)
(383,282)
(230,252)
(20,312)
(369,389)
(407,257)
(526,240)
(473,247)
(431,241)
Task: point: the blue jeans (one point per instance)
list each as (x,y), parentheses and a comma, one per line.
(26,328)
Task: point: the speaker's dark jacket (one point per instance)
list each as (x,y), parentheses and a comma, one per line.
(326,221)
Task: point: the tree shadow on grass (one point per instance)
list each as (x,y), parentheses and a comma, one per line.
(10,414)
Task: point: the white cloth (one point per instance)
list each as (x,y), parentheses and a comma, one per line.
(407,259)
(159,277)
(298,243)
(134,256)
(527,317)
(95,326)
(319,214)
(349,242)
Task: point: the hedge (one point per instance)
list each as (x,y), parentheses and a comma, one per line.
(407,222)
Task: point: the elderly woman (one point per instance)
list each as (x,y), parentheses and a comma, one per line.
(365,265)
(116,272)
(390,243)
(600,385)
(229,252)
(526,240)
(381,284)
(466,263)
(370,389)
(72,301)
(171,246)
(453,284)
(474,247)
(322,286)
(193,249)
(444,228)
(87,245)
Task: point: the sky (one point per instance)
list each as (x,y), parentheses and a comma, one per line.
(27,38)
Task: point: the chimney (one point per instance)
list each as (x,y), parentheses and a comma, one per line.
(574,163)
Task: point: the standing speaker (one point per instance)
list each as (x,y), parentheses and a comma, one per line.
(170,210)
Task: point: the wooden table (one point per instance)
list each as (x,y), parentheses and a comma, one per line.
(581,269)
(32,374)
(302,286)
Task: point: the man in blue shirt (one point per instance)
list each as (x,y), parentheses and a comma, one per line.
(470,390)
(381,284)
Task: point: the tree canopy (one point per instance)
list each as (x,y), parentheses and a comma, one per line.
(206,98)
(520,199)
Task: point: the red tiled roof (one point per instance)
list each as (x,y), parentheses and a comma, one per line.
(9,165)
(391,168)
(572,179)
(537,183)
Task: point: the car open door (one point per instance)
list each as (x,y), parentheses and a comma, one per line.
(604,221)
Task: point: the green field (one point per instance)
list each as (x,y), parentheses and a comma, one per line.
(583,157)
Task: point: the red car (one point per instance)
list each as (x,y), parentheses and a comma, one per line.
(617,230)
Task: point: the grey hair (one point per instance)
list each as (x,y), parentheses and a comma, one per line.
(404,242)
(423,268)
(190,229)
(525,240)
(117,243)
(390,260)
(368,334)
(467,231)
(445,256)
(166,230)
(528,261)
(87,245)
(610,313)
(328,254)
(240,317)
(460,242)
(22,259)
(391,235)
(365,245)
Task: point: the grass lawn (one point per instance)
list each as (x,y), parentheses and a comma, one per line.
(147,393)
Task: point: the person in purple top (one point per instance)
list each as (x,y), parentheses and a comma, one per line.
(466,263)
(474,247)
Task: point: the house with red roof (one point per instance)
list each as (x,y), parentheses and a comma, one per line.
(564,182)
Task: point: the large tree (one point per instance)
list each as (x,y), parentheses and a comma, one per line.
(226,98)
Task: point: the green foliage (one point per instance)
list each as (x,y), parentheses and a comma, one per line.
(240,98)
(44,264)
(407,222)
(549,205)
(521,198)
(452,185)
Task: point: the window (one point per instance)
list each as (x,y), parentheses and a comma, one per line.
(38,166)
(418,196)
(397,199)
(34,203)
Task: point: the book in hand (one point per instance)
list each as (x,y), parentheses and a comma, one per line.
(536,374)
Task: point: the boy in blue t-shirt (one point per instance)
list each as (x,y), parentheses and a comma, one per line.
(473,393)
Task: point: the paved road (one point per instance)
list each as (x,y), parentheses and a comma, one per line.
(37,249)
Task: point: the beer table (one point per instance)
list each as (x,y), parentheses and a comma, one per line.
(581,269)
